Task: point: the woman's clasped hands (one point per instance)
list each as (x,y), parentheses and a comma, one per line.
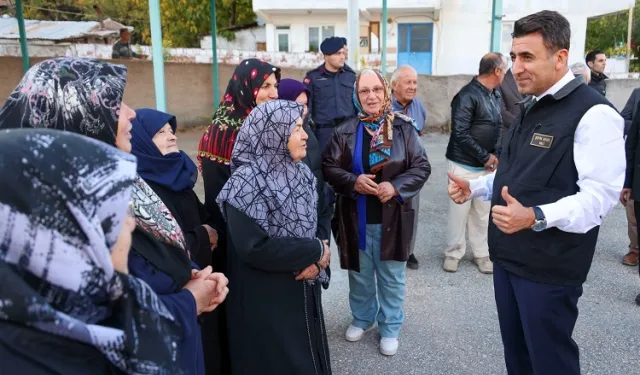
(209,289)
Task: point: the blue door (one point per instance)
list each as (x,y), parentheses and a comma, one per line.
(415,46)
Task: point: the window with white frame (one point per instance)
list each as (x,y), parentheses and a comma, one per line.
(282,38)
(317,34)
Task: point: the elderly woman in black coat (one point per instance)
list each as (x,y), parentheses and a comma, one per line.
(276,261)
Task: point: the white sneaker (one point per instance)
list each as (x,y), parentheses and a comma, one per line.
(355,334)
(388,346)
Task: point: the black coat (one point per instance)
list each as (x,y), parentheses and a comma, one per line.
(632,145)
(314,161)
(630,109)
(476,125)
(29,351)
(599,82)
(191,214)
(276,324)
(510,101)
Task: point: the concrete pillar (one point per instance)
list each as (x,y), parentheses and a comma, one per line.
(353,31)
(157,55)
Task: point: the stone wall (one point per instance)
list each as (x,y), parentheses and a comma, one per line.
(190,95)
(306,60)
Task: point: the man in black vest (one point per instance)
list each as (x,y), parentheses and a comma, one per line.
(561,172)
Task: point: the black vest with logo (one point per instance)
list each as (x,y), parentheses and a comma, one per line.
(537,165)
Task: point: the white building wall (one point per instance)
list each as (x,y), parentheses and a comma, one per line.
(466,28)
(464,36)
(270,5)
(245,40)
(298,32)
(462,28)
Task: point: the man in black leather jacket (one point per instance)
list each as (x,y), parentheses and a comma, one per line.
(474,146)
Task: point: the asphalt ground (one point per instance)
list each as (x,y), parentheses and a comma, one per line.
(451,324)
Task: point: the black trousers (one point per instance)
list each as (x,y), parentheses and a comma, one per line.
(536,324)
(636,207)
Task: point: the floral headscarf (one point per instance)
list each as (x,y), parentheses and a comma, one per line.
(239,99)
(380,123)
(74,94)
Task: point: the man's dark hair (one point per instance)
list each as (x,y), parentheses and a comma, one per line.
(591,56)
(554,28)
(490,62)
(123,30)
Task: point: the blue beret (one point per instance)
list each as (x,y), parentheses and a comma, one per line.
(331,45)
(344,40)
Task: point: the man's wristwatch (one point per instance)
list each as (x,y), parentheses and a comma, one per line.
(541,222)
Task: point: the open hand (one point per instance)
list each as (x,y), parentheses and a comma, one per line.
(513,217)
(459,188)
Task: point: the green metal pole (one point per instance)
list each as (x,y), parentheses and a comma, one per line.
(214,49)
(384,38)
(157,56)
(496,26)
(23,35)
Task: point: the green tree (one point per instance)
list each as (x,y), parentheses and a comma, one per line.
(609,32)
(184,22)
(54,10)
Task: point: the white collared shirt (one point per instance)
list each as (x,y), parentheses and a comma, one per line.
(599,155)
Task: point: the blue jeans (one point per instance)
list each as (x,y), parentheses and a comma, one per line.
(390,277)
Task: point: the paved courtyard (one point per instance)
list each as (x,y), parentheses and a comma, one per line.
(451,324)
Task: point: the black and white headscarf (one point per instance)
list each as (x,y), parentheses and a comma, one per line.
(267,185)
(63,201)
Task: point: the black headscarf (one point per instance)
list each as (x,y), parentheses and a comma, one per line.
(63,200)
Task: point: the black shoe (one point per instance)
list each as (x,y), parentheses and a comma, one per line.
(638,300)
(412,263)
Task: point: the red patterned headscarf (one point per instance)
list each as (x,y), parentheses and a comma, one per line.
(239,99)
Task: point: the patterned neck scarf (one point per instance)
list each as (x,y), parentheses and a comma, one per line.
(154,216)
(61,212)
(380,123)
(278,193)
(239,99)
(74,94)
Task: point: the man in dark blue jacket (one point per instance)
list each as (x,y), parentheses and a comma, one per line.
(561,172)
(331,87)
